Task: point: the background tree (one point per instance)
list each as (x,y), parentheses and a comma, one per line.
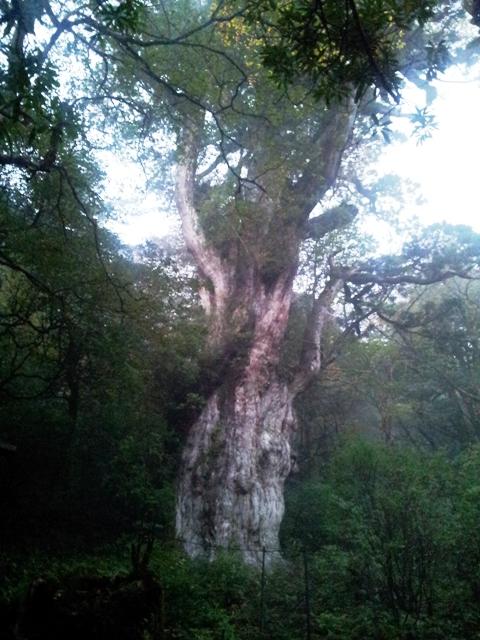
(435,338)
(408,377)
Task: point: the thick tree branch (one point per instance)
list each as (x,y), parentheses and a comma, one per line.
(44,164)
(211,167)
(6,261)
(363,277)
(331,141)
(209,263)
(331,220)
(364,191)
(310,359)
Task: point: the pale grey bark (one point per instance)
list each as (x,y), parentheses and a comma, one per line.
(234,468)
(238,452)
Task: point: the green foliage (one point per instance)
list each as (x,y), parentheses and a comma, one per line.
(95,363)
(337,45)
(389,536)
(121,16)
(385,527)
(101,351)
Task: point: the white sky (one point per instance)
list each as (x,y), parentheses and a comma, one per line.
(445,167)
(141,213)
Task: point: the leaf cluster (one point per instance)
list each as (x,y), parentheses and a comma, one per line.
(337,45)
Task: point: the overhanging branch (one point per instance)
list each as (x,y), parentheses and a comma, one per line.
(363,277)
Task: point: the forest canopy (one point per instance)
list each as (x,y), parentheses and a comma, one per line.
(268,387)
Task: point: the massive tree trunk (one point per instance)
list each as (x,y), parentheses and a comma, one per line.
(234,468)
(238,452)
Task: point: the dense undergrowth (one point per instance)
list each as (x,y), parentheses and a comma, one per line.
(383,545)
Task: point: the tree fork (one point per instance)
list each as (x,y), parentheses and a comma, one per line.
(238,452)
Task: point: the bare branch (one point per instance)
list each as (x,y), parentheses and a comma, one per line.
(209,263)
(211,167)
(6,261)
(310,359)
(364,191)
(363,277)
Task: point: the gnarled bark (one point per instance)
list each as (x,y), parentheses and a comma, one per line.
(238,452)
(234,468)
